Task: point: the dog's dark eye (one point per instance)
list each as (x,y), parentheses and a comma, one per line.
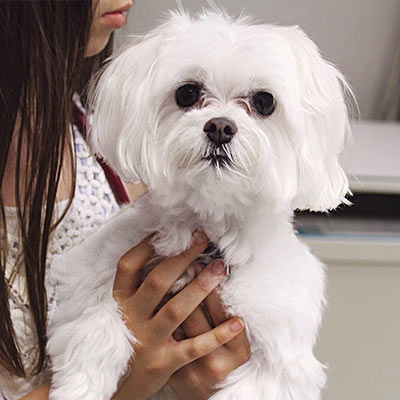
(187,95)
(264,103)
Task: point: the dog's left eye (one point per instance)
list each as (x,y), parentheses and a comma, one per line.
(187,95)
(264,103)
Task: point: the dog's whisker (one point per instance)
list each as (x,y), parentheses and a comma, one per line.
(236,172)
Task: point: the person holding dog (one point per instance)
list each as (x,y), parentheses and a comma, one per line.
(53,194)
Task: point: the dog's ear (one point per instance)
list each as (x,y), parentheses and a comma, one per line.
(322,128)
(121,97)
(121,107)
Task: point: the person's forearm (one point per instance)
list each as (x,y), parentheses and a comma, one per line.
(41,393)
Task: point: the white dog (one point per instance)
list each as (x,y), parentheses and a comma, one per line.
(232,126)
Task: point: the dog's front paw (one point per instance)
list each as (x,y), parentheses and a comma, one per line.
(173,240)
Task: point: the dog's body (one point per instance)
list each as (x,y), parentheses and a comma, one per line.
(281,154)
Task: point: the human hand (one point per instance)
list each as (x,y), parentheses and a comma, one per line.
(197,380)
(157,354)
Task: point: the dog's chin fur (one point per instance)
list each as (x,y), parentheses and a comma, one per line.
(242,196)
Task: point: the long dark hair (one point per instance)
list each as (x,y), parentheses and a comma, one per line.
(42,64)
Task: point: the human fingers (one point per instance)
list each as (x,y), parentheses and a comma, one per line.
(196,323)
(218,314)
(127,277)
(189,383)
(215,308)
(161,278)
(200,378)
(185,302)
(199,346)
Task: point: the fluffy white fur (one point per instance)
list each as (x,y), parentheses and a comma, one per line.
(280,163)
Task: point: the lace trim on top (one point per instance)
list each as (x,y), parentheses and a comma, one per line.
(92,205)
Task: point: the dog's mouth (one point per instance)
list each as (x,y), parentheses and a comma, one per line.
(217,156)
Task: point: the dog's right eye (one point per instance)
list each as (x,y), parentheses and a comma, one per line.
(187,95)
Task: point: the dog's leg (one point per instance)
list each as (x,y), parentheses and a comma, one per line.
(302,380)
(89,344)
(90,354)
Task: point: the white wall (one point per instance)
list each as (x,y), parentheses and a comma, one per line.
(359,339)
(360,36)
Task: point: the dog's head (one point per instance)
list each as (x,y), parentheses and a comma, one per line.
(222,112)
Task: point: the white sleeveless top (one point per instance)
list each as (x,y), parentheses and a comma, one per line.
(92,205)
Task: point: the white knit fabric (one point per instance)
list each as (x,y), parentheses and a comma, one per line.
(92,205)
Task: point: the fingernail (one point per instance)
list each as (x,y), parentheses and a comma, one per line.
(212,275)
(237,325)
(218,267)
(199,237)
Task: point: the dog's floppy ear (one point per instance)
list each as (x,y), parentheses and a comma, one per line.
(119,100)
(123,107)
(323,127)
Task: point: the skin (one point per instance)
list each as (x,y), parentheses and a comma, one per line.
(193,363)
(100,32)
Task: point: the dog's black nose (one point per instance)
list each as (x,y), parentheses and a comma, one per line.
(220,130)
